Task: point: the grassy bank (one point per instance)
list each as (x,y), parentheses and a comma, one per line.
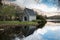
(17,23)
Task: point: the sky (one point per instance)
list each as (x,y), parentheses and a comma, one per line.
(44,5)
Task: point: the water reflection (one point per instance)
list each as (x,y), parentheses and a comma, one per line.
(51,31)
(16,37)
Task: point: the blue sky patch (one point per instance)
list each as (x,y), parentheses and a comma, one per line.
(49,3)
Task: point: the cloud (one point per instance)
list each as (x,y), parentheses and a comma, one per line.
(37,4)
(42,7)
(46,8)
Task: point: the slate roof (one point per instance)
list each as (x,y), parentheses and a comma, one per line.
(29,11)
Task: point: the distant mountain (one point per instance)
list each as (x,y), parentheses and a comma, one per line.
(54,17)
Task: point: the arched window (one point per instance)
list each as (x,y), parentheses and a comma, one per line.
(25,18)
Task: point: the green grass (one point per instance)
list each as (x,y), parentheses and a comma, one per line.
(17,23)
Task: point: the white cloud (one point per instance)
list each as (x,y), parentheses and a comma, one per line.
(42,7)
(34,4)
(40,31)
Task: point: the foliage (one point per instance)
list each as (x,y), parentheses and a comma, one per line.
(8,10)
(42,21)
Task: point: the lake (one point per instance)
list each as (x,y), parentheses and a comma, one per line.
(51,31)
